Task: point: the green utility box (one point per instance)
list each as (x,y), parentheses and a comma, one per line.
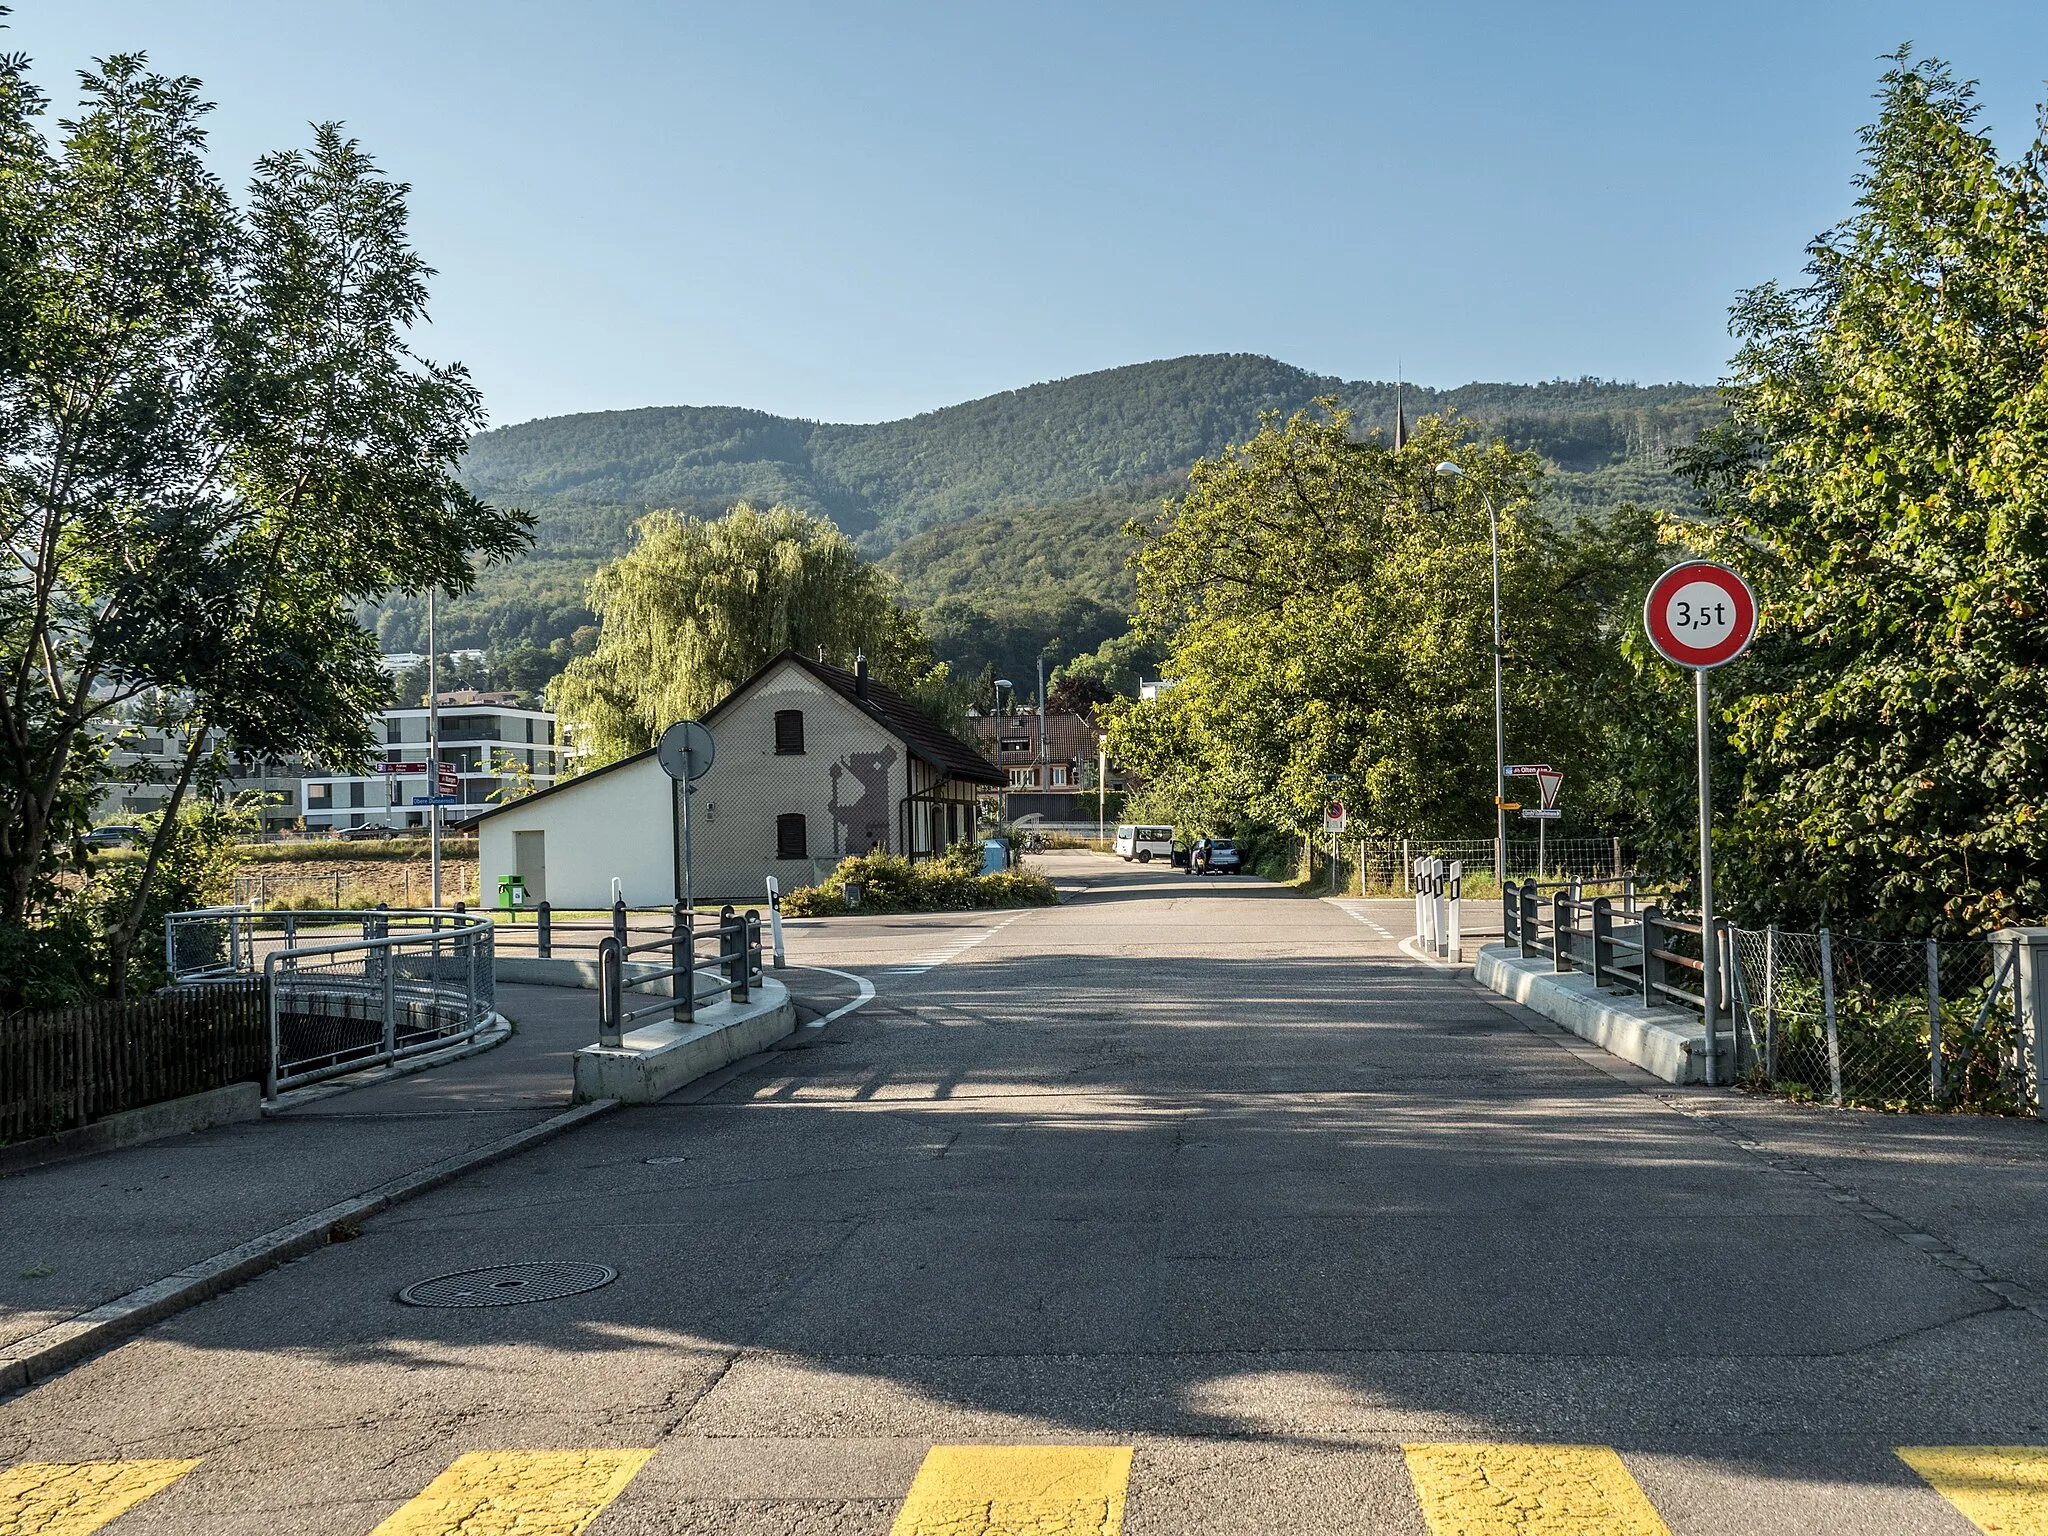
(511,891)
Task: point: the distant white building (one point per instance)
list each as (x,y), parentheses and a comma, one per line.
(395,662)
(813,762)
(495,747)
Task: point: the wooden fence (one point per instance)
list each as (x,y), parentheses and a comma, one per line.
(73,1066)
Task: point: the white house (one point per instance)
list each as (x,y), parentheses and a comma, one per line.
(813,762)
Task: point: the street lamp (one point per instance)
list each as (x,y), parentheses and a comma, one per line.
(1500,744)
(1002,789)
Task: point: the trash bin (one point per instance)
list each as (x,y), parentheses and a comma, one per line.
(511,891)
(851,893)
(995,855)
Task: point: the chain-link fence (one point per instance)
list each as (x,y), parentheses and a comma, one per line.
(1881,1023)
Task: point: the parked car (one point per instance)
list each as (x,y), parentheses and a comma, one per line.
(1214,856)
(121,836)
(364,834)
(1143,843)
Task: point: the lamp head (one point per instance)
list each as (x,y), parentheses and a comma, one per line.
(1448,468)
(1004,682)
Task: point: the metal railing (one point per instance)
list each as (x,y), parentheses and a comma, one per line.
(732,969)
(345,990)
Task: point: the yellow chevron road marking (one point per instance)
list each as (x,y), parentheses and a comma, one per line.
(517,1493)
(1017,1490)
(54,1498)
(1528,1490)
(2002,1488)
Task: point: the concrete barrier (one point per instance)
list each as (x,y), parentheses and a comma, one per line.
(130,1127)
(658,1058)
(1666,1042)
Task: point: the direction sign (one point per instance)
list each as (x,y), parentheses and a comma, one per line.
(437,799)
(1545,814)
(685,750)
(1700,615)
(1526,770)
(401,767)
(446,780)
(1548,782)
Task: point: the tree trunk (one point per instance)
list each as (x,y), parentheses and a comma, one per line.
(122,935)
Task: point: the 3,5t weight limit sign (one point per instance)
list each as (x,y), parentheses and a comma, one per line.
(1700,615)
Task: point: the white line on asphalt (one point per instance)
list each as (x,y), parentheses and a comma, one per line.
(931,957)
(867,993)
(1352,909)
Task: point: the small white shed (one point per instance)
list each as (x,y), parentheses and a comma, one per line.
(813,762)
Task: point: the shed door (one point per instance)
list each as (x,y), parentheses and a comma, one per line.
(530,863)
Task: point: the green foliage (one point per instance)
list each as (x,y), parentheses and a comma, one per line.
(889,882)
(1884,482)
(1324,604)
(1113,669)
(696,608)
(219,445)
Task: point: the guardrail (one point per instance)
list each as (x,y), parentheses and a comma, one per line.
(734,968)
(399,984)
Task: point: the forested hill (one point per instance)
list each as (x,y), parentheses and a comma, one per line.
(588,475)
(1087,446)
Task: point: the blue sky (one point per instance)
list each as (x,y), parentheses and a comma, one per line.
(856,212)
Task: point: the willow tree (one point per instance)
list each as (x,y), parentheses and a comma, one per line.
(1884,481)
(697,606)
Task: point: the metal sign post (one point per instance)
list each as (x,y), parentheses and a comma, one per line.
(685,752)
(1702,615)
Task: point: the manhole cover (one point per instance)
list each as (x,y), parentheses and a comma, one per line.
(507,1285)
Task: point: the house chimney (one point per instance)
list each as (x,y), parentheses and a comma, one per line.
(860,674)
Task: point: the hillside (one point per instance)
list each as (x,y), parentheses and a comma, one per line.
(984,502)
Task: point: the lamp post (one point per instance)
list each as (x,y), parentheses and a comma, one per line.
(1002,789)
(1500,740)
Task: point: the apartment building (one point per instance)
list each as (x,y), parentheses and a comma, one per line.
(147,758)
(1065,761)
(495,746)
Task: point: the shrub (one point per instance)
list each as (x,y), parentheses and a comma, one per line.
(950,882)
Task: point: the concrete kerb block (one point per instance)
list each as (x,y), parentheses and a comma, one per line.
(660,1057)
(1665,1042)
(132,1127)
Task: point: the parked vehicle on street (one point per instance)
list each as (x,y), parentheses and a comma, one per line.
(1143,844)
(1216,856)
(373,831)
(118,836)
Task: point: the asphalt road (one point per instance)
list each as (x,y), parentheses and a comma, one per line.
(1185,1206)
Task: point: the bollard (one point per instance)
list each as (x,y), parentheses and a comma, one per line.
(1439,938)
(1531,920)
(1563,922)
(775,917)
(1603,940)
(1419,881)
(1653,941)
(611,1003)
(619,922)
(544,932)
(1456,944)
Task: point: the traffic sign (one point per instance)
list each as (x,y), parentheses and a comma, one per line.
(1333,816)
(685,750)
(1700,615)
(1526,770)
(1548,782)
(1544,814)
(437,799)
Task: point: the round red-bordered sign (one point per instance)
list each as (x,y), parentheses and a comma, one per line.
(1700,615)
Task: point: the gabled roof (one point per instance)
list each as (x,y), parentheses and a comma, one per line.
(888,709)
(883,704)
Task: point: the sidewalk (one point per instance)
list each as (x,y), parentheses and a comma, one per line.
(82,1232)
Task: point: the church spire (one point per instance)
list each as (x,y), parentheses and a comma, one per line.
(1400,420)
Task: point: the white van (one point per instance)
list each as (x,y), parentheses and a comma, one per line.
(1144,843)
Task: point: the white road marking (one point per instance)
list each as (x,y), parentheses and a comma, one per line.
(919,964)
(867,994)
(1356,909)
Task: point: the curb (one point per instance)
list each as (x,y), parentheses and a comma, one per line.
(43,1354)
(1412,948)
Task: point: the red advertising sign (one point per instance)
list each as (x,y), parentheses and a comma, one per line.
(1700,615)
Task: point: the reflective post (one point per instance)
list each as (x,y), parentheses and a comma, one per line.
(1456,946)
(610,994)
(775,917)
(544,931)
